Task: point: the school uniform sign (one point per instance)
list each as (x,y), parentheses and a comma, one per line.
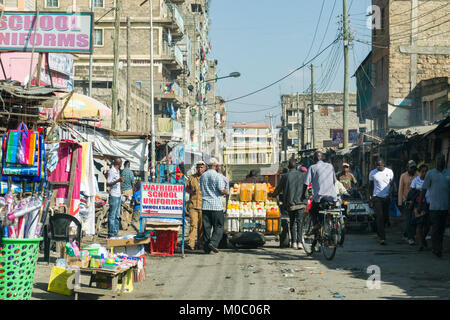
(162,201)
(48,32)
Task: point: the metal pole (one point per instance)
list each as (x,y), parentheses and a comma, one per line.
(346,74)
(116,66)
(152,102)
(91,57)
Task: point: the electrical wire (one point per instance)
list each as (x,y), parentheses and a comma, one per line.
(315,32)
(328,25)
(254,110)
(281,79)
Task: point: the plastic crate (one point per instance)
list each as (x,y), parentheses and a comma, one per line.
(165,243)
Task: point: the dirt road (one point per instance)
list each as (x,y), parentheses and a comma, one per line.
(281,274)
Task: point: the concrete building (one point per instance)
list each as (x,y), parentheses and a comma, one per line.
(249,146)
(180,30)
(328,122)
(406,76)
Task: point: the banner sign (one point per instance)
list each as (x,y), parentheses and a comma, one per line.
(54,32)
(337,136)
(162,201)
(61,63)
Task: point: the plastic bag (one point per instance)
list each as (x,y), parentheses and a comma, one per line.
(58,281)
(260,193)
(394,212)
(246,194)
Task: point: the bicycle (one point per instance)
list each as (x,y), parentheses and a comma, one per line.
(330,234)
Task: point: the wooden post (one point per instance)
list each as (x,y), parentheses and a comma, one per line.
(38,70)
(127,111)
(116,66)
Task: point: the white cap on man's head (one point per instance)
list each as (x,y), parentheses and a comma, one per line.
(200,163)
(213,162)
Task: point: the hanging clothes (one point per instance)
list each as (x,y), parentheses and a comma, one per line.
(62,174)
(88,188)
(172,112)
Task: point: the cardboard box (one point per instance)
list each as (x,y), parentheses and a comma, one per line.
(76,262)
(125,242)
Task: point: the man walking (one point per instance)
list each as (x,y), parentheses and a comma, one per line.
(113,181)
(403,189)
(381,180)
(437,182)
(291,185)
(213,187)
(195,206)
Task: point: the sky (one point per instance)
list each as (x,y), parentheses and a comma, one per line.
(265,40)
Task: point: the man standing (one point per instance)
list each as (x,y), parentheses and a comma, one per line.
(291,185)
(381,180)
(437,182)
(323,178)
(113,181)
(128,180)
(195,206)
(404,186)
(213,187)
(346,177)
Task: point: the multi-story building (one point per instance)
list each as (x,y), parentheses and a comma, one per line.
(180,31)
(405,78)
(328,122)
(19,5)
(249,146)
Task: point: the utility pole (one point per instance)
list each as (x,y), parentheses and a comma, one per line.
(91,56)
(313,136)
(152,100)
(272,144)
(127,111)
(346,74)
(116,66)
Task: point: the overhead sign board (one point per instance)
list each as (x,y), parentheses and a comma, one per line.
(47,32)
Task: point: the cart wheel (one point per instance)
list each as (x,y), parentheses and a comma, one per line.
(224,243)
(284,235)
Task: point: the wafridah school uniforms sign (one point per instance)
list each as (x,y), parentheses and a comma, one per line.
(163,201)
(53,32)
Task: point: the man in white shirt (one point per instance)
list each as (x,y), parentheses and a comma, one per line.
(115,194)
(381,180)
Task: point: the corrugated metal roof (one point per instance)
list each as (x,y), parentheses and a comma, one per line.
(418,130)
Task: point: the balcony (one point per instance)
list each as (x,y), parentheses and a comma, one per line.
(169,128)
(174,21)
(172,57)
(168,90)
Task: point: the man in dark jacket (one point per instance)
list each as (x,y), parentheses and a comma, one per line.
(291,185)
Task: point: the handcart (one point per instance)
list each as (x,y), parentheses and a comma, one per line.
(359,214)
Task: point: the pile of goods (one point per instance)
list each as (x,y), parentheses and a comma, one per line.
(250,209)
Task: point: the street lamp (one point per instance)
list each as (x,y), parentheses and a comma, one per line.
(190,87)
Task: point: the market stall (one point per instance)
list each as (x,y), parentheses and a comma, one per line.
(249,209)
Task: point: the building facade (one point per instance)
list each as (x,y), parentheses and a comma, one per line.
(297,120)
(406,76)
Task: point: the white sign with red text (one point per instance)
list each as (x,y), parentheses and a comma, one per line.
(162,201)
(49,32)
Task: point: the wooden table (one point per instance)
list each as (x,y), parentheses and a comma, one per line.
(94,272)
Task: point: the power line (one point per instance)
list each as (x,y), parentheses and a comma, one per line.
(254,110)
(317,27)
(281,79)
(328,25)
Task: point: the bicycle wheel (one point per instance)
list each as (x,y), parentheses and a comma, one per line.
(307,236)
(328,245)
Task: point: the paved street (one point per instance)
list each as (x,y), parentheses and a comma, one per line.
(280,274)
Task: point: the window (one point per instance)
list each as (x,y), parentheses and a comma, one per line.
(98,37)
(11,4)
(52,3)
(99,4)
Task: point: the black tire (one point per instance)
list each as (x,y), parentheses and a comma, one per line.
(343,231)
(284,235)
(224,243)
(308,241)
(329,251)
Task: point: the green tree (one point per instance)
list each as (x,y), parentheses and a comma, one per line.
(444,108)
